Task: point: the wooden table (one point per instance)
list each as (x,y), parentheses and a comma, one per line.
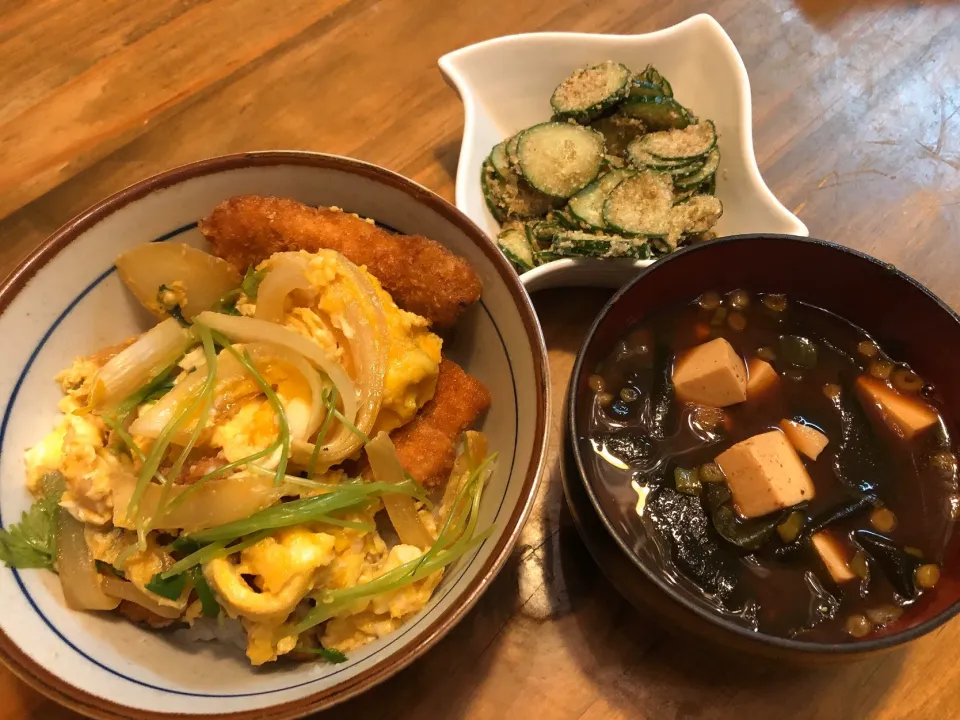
(856,127)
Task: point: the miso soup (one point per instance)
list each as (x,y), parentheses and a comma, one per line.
(777,462)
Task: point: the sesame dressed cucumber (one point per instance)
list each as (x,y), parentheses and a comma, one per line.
(622,170)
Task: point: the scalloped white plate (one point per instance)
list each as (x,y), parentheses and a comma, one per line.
(505,85)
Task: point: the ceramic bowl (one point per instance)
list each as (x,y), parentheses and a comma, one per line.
(66,300)
(505,85)
(896,310)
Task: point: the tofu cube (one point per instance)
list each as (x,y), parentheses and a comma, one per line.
(765,474)
(907,416)
(834,555)
(805,439)
(711,374)
(761,378)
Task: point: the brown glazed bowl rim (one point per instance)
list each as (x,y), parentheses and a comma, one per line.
(791,646)
(79,700)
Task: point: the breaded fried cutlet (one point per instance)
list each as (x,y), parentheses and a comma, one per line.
(426,445)
(421,275)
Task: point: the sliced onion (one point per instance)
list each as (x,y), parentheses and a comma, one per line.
(251,330)
(151,423)
(401,508)
(79,578)
(366,332)
(123,590)
(287,272)
(135,366)
(265,353)
(471,455)
(215,502)
(205,277)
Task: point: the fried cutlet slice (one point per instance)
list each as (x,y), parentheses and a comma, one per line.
(427,444)
(421,275)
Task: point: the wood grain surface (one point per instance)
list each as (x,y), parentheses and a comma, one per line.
(856,128)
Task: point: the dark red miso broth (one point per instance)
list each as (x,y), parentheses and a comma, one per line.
(888,504)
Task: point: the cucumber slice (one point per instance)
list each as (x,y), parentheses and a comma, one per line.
(698,214)
(589,92)
(641,160)
(706,171)
(587,205)
(511,150)
(618,132)
(514,244)
(498,159)
(709,186)
(641,205)
(662,113)
(693,142)
(578,243)
(565,219)
(651,75)
(542,232)
(560,159)
(512,197)
(493,191)
(646,90)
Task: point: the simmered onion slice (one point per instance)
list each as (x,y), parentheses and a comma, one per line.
(204,277)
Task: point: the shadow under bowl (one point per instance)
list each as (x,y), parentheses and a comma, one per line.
(904,317)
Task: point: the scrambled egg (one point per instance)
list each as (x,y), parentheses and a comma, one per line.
(265,585)
(284,569)
(413,354)
(118,548)
(382,614)
(76,447)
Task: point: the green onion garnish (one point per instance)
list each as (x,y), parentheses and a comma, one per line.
(452,530)
(284,429)
(208,601)
(211,552)
(331,602)
(205,399)
(329,398)
(330,655)
(312,509)
(171,587)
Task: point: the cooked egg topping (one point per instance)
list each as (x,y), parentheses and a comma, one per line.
(278,580)
(382,614)
(283,568)
(413,353)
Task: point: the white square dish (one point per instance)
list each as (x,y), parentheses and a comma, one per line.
(505,85)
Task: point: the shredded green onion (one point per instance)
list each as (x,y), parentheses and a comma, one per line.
(115,425)
(133,402)
(211,552)
(452,530)
(152,463)
(304,482)
(345,498)
(223,470)
(352,524)
(349,425)
(329,398)
(205,399)
(283,428)
(208,601)
(331,602)
(452,543)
